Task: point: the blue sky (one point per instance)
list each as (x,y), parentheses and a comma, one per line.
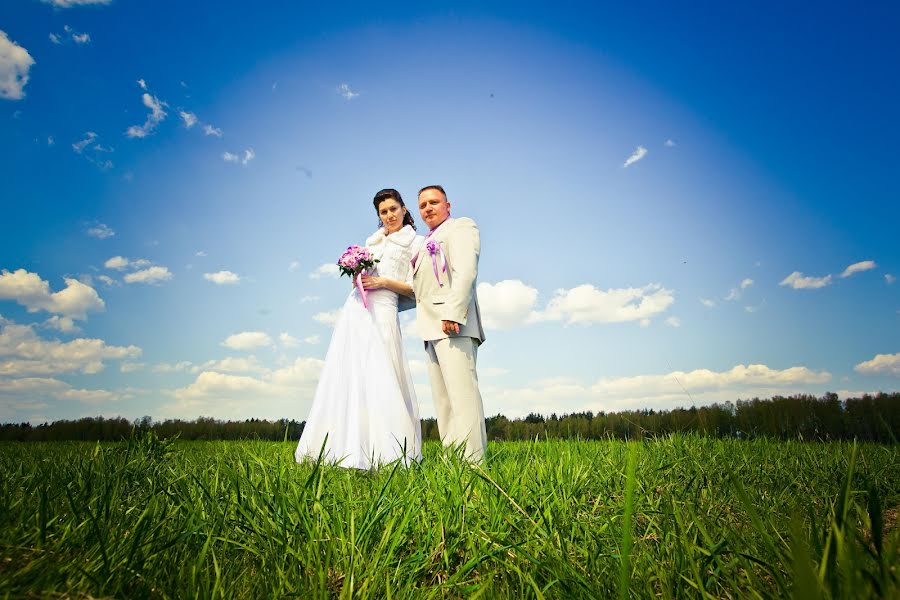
(677,205)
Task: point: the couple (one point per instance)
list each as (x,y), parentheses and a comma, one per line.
(365,411)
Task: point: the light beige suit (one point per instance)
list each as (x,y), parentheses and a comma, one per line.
(452,358)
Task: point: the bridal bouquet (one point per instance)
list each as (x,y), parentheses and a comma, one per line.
(353,263)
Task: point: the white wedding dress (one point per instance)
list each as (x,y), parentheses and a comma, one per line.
(365,402)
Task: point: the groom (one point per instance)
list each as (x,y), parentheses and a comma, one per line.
(447,316)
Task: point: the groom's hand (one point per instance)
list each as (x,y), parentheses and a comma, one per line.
(450,327)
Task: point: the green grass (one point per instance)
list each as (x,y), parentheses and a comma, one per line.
(548,519)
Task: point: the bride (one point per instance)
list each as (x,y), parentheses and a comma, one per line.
(365,402)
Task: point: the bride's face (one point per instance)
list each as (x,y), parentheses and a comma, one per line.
(391,214)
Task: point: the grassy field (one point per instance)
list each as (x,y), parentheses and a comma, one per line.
(673,518)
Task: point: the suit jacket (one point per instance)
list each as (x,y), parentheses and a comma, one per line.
(456,300)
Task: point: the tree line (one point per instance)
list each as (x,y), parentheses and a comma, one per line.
(805,417)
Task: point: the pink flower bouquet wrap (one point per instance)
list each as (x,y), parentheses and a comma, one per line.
(353,263)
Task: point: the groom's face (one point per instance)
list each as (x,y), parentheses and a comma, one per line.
(433,207)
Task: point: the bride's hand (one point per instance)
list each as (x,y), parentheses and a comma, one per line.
(370,282)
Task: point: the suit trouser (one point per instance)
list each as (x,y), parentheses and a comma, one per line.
(454,390)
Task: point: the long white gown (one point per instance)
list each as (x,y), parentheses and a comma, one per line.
(365,402)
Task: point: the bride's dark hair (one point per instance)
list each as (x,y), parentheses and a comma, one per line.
(392,194)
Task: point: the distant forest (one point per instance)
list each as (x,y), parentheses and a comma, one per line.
(869,418)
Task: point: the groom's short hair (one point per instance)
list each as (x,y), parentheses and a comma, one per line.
(433,187)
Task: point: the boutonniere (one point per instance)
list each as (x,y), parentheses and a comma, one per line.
(434,249)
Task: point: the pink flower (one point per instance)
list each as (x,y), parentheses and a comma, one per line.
(355,260)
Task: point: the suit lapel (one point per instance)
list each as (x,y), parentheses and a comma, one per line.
(419,258)
(438,236)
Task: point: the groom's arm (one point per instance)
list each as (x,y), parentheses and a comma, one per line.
(463,248)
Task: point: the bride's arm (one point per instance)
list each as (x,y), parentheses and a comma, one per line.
(403,288)
(371,282)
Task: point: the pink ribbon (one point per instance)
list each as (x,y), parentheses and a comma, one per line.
(362,290)
(433,249)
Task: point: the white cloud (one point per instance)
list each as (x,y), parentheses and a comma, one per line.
(178,367)
(288,341)
(312,339)
(704,380)
(130,367)
(107,280)
(15,63)
(189,118)
(119,263)
(799,281)
(71,3)
(285,392)
(222,277)
(511,303)
(200,253)
(79,147)
(94,152)
(247,340)
(492,371)
(100,231)
(506,304)
(673,322)
(665,391)
(327,318)
(78,38)
(670,143)
(62,324)
(152,275)
(326,270)
(587,304)
(889,278)
(157,114)
(707,302)
(345,91)
(249,155)
(882,364)
(295,264)
(232,364)
(305,299)
(639,153)
(859,267)
(34,393)
(302,371)
(32,292)
(754,308)
(23,353)
(409,327)
(735,293)
(420,367)
(50,140)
